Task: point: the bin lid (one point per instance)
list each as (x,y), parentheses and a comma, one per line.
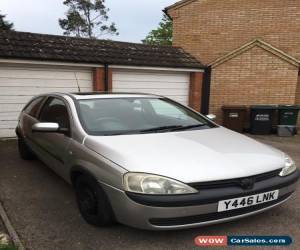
(286,126)
(264,106)
(289,107)
(239,107)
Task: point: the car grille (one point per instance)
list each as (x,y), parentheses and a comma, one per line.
(234,182)
(213,216)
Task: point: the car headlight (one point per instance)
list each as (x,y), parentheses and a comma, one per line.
(155,184)
(289,167)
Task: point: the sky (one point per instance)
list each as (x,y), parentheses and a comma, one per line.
(134,18)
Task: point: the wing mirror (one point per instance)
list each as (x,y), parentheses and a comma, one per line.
(46,127)
(211,117)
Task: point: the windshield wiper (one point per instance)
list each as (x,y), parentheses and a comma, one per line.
(188,127)
(162,128)
(155,129)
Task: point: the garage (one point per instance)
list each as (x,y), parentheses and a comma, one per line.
(31,64)
(18,84)
(174,85)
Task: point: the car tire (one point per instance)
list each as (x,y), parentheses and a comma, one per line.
(93,203)
(24,151)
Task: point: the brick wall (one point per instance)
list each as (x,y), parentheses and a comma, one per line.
(209,29)
(99,79)
(195,90)
(254,77)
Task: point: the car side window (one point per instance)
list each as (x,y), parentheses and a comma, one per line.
(33,107)
(55,110)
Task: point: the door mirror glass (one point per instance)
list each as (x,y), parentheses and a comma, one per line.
(46,127)
(211,117)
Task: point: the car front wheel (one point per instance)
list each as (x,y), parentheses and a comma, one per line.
(93,203)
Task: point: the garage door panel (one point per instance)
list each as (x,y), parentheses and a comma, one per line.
(31,91)
(174,85)
(19,84)
(11,107)
(9,115)
(137,72)
(8,124)
(146,84)
(145,79)
(7,133)
(48,73)
(164,92)
(30,82)
(8,120)
(141,77)
(181,99)
(5,99)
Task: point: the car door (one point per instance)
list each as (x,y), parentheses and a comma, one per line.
(28,117)
(53,147)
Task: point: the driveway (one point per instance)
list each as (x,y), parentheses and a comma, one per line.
(42,209)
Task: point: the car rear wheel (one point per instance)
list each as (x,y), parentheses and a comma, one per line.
(93,203)
(24,151)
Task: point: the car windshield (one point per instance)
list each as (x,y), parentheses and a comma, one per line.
(117,116)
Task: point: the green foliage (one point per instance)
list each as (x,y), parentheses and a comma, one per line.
(8,247)
(162,35)
(87,18)
(5,25)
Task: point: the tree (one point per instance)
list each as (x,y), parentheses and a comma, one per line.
(162,35)
(87,18)
(5,25)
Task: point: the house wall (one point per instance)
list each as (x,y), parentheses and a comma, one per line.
(209,29)
(254,77)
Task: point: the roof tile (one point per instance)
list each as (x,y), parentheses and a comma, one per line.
(22,45)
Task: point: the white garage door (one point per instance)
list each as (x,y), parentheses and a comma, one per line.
(18,84)
(170,84)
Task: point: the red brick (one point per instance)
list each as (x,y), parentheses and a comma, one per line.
(98,79)
(195,90)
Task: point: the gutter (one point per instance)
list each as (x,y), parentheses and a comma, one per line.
(165,10)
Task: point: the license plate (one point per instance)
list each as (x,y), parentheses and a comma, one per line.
(247,201)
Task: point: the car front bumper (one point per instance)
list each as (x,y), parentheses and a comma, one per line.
(187,211)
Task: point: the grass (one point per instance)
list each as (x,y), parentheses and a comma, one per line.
(8,247)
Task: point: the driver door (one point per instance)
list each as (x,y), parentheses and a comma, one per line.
(53,147)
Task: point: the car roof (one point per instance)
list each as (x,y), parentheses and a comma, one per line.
(105,95)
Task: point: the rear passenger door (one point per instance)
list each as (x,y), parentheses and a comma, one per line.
(53,147)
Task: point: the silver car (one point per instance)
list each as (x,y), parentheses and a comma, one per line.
(150,162)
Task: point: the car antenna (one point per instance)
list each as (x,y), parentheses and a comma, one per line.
(77,82)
